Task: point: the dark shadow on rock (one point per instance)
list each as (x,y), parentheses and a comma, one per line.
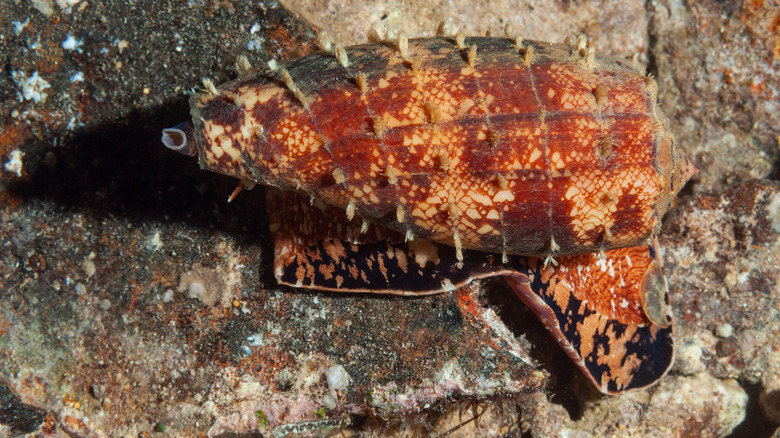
(122,169)
(563,386)
(755,424)
(775,174)
(19,417)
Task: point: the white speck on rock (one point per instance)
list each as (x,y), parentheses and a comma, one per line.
(724,330)
(14,165)
(773,212)
(198,290)
(338,378)
(30,88)
(255,44)
(204,284)
(121,44)
(19,26)
(67,4)
(89,267)
(155,243)
(330,400)
(71,43)
(689,357)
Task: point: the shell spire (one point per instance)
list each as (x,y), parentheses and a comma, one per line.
(179,139)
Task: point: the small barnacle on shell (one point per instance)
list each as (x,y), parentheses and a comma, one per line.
(528,55)
(341,55)
(400,214)
(493,138)
(391,173)
(378,125)
(605,146)
(590,57)
(460,40)
(208,84)
(325,42)
(582,45)
(415,64)
(244,67)
(373,36)
(403,46)
(338,177)
(501,181)
(433,111)
(509,31)
(654,297)
(600,93)
(360,82)
(350,211)
(471,58)
(444,28)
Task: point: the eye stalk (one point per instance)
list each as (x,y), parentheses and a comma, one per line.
(179,138)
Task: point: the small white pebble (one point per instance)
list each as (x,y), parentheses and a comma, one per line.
(71,43)
(197,290)
(80,289)
(168,296)
(14,165)
(105,304)
(285,379)
(724,330)
(89,267)
(19,26)
(338,379)
(121,44)
(155,242)
(32,87)
(65,4)
(689,358)
(330,400)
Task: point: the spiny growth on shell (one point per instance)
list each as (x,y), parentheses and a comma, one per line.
(498,144)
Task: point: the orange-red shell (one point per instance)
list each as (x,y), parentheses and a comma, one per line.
(478,143)
(488,144)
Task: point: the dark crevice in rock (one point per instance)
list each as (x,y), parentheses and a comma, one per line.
(652,40)
(775,173)
(565,377)
(19,417)
(755,424)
